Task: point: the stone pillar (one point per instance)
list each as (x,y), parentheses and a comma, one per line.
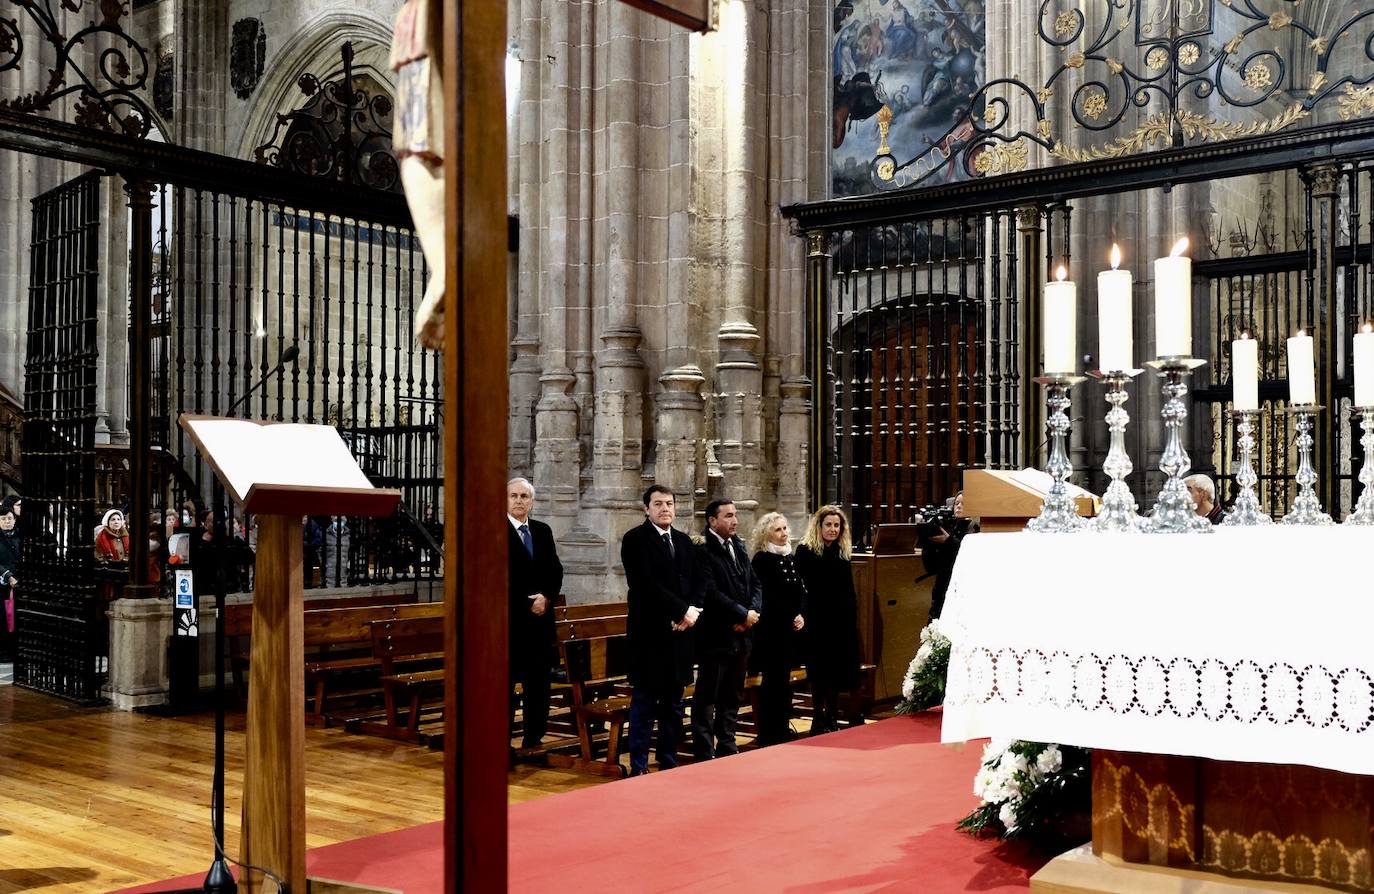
(794,430)
(619,423)
(524,392)
(112,320)
(202,74)
(1031,264)
(678,431)
(820,479)
(556,449)
(139,629)
(739,383)
(1326,197)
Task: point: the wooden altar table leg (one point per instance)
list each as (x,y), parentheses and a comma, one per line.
(274,746)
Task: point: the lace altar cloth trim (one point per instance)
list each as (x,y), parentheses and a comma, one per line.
(1250,672)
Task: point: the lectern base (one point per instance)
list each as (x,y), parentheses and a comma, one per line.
(1081,872)
(328,886)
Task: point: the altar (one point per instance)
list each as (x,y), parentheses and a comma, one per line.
(1225,682)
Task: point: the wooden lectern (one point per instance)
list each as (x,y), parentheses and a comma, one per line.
(1004,500)
(280,473)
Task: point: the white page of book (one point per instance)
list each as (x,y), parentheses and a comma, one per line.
(284,453)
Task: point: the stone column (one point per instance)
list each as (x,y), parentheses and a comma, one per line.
(678,433)
(1326,197)
(537,193)
(739,383)
(112,321)
(139,629)
(202,73)
(794,430)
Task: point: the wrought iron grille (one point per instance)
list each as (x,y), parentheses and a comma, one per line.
(237,280)
(922,331)
(62,636)
(1270,296)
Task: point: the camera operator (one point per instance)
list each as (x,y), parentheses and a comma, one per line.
(940,533)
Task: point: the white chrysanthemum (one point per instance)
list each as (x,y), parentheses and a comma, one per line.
(1013,763)
(1008,816)
(1050,760)
(985,783)
(908,687)
(922,655)
(993,751)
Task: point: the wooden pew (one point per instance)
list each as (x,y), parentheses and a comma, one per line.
(595,654)
(338,641)
(407,650)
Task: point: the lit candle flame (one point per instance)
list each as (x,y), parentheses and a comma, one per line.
(1179,247)
(1061,274)
(1116,256)
(1245,336)
(1367,328)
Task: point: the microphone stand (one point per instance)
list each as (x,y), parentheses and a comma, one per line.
(219,879)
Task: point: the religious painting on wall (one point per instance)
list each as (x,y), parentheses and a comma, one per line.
(914,65)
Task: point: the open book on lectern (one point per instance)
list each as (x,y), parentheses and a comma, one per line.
(287,468)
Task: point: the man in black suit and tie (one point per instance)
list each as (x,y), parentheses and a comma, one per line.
(667,589)
(734,598)
(536,577)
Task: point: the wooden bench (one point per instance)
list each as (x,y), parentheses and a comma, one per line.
(406,649)
(338,642)
(595,654)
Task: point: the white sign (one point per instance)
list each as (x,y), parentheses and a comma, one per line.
(185,597)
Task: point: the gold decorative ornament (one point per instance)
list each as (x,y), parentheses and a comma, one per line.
(1234,44)
(1258,76)
(1279,20)
(1075,61)
(1318,82)
(1001,158)
(1188,53)
(1094,104)
(1318,45)
(1357,102)
(1044,94)
(1114,66)
(1064,24)
(1042,127)
(884,123)
(887,169)
(991,116)
(1157,58)
(1158,131)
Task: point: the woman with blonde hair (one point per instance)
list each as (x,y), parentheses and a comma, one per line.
(777,634)
(832,655)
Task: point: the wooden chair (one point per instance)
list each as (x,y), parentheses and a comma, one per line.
(595,655)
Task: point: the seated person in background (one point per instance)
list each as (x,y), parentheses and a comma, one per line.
(112,539)
(1204,494)
(939,541)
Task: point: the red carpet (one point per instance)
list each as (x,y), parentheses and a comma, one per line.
(865,810)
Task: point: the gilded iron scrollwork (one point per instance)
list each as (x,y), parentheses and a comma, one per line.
(1186,65)
(107,95)
(342,132)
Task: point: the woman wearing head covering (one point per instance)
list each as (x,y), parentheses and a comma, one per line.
(112,540)
(9,575)
(776,637)
(832,655)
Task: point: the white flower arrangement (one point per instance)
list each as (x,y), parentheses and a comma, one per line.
(924,684)
(1029,789)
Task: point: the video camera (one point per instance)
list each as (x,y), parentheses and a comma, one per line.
(932,519)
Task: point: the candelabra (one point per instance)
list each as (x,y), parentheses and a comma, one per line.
(1059,514)
(1307,509)
(1247,511)
(1119,510)
(1364,507)
(1174,510)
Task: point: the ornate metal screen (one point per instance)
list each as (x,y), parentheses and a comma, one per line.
(61,631)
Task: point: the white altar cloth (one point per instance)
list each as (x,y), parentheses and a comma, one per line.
(1247,644)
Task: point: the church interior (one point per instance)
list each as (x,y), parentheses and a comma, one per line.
(905,414)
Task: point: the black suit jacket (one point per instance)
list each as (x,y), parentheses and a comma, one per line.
(540,573)
(733,590)
(662,586)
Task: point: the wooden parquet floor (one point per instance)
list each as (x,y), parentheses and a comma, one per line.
(93,800)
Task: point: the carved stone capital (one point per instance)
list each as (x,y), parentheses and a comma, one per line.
(738,341)
(1326,181)
(621,348)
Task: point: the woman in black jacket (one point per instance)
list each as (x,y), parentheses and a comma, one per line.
(777,634)
(832,660)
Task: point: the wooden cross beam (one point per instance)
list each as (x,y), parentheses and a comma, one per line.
(698,15)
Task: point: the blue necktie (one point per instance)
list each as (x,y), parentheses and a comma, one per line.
(525,537)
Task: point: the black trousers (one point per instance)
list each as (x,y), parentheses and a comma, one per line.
(775,700)
(647,707)
(825,700)
(530,668)
(715,702)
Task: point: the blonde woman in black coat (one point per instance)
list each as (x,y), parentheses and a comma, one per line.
(832,654)
(777,636)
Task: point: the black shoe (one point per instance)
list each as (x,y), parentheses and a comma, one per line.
(643,772)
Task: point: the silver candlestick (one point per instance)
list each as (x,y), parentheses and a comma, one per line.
(1247,511)
(1059,515)
(1175,512)
(1119,510)
(1364,507)
(1307,509)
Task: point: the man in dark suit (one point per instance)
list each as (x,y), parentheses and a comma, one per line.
(536,577)
(667,589)
(734,598)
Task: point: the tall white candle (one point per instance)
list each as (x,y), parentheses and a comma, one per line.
(1245,374)
(1364,367)
(1174,303)
(1114,337)
(1060,321)
(1302,370)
